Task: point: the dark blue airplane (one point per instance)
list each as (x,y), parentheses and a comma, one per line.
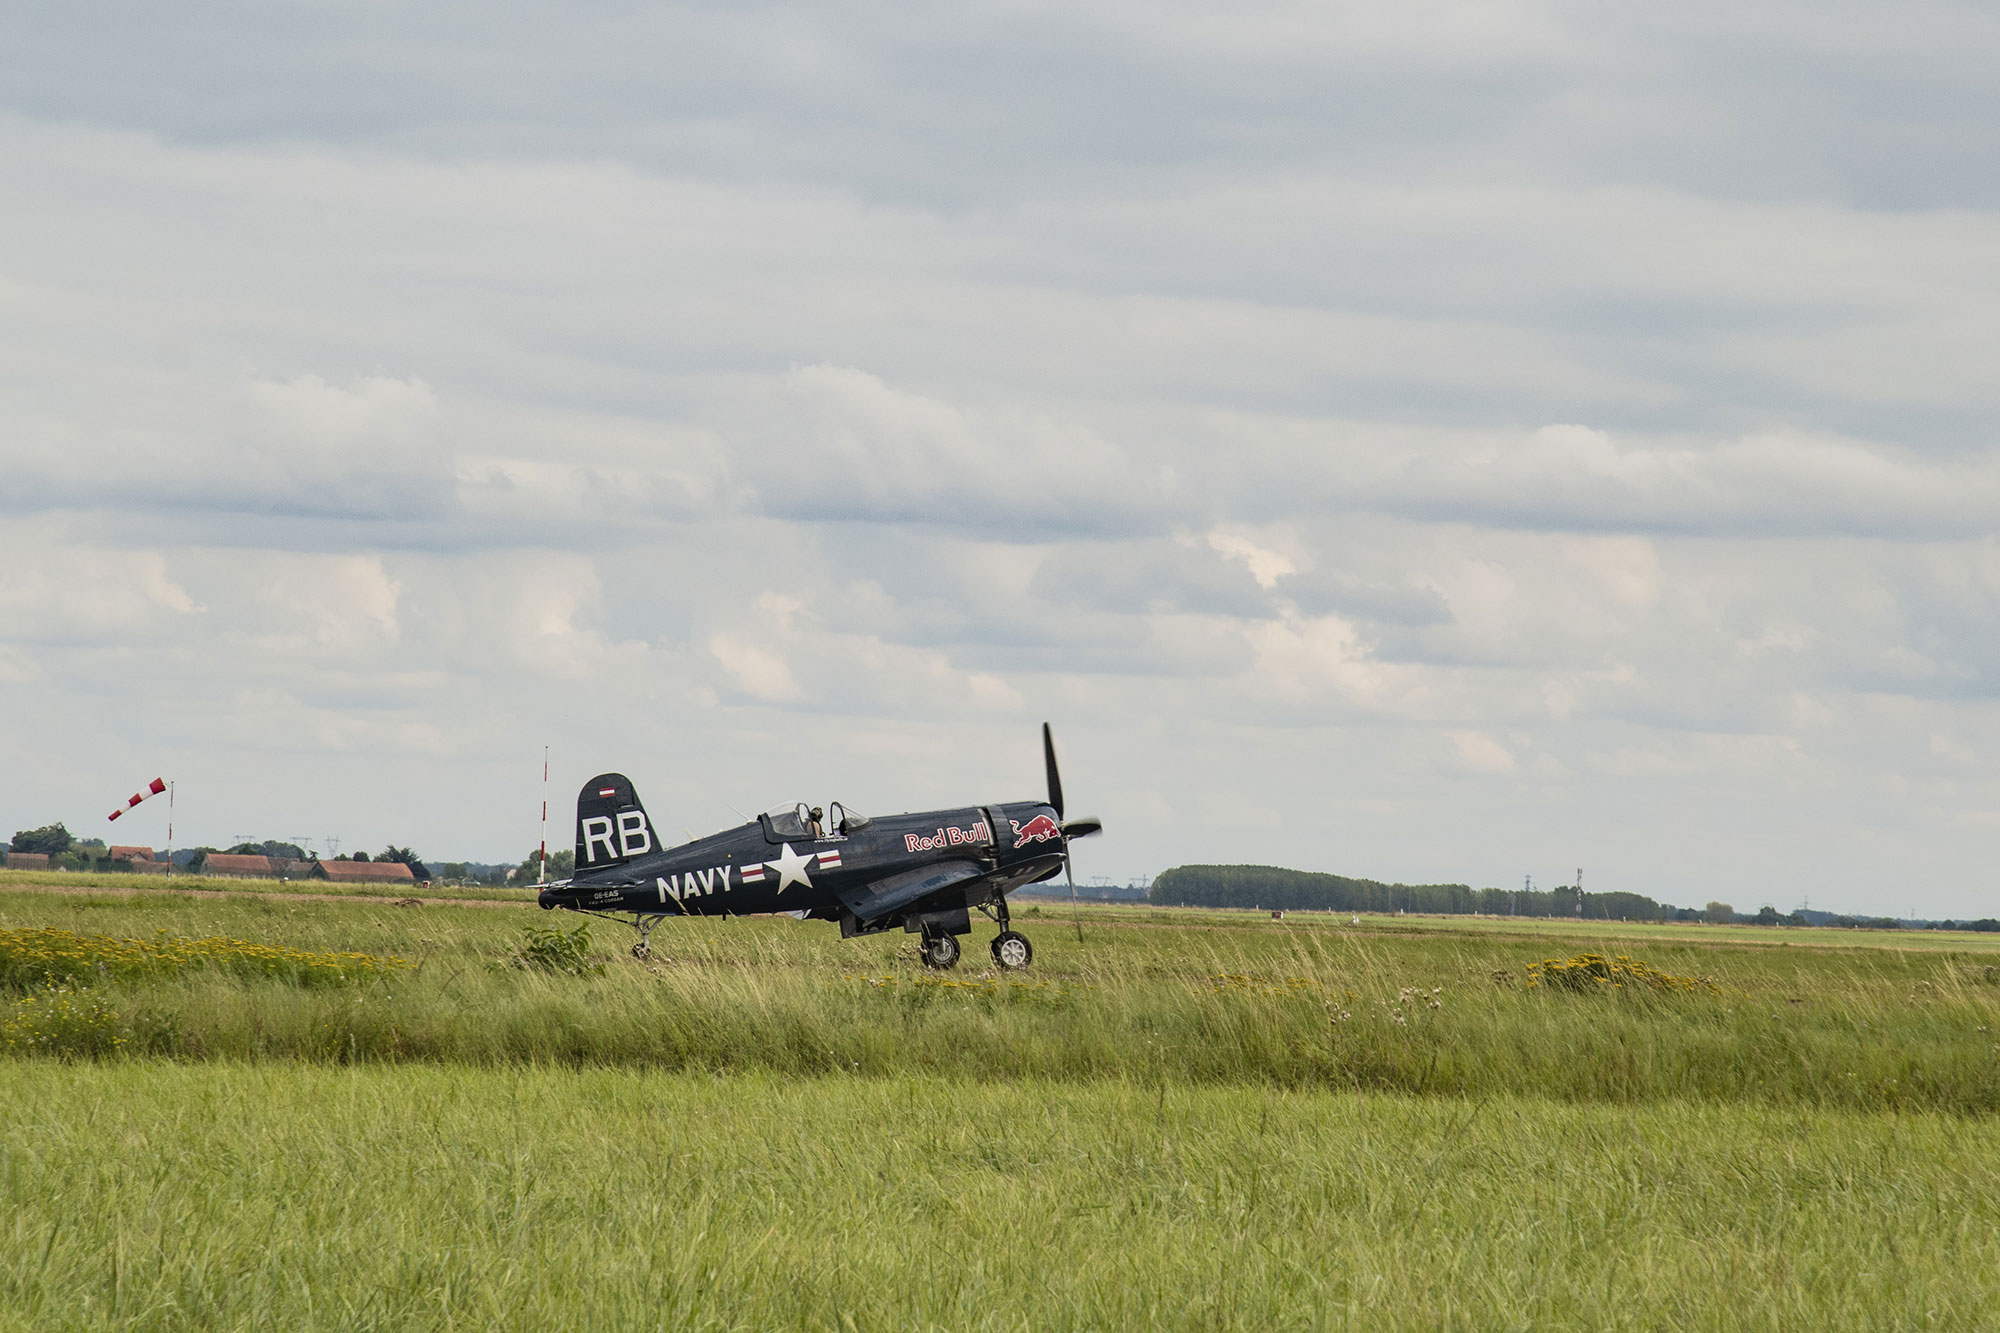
(926,872)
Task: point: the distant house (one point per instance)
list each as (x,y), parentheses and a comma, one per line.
(362,872)
(118,853)
(27,860)
(238,867)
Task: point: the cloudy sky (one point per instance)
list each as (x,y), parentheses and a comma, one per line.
(1439,441)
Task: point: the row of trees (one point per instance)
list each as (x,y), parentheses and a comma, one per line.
(55,842)
(64,849)
(1303,890)
(48,840)
(291,851)
(1276,888)
(561,865)
(70,853)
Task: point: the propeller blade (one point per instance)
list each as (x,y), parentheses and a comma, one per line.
(1074,910)
(1055,778)
(1081,828)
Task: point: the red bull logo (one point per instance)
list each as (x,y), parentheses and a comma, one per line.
(1039,829)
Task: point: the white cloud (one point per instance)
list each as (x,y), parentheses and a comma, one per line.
(1265,566)
(56,587)
(1329,416)
(1480,753)
(754,668)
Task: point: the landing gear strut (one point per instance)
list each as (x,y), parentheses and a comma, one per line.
(1011,950)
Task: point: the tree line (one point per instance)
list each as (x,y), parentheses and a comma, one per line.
(69,852)
(1279,889)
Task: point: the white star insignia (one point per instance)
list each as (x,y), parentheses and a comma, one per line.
(791,868)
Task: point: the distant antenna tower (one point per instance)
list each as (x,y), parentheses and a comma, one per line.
(332,845)
(302,841)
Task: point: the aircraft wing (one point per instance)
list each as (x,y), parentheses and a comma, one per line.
(883,896)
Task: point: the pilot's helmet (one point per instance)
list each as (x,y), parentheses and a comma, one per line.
(817,812)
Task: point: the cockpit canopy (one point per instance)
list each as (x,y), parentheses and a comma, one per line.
(796,821)
(789,821)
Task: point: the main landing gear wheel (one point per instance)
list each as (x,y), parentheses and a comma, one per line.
(642,951)
(1012,951)
(939,952)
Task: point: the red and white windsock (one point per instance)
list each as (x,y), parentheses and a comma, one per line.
(153,788)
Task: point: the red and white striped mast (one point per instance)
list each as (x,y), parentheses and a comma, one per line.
(542,861)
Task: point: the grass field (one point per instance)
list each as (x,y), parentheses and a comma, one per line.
(1193,1119)
(61,881)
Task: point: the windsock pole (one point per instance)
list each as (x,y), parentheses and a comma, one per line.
(542,861)
(147,793)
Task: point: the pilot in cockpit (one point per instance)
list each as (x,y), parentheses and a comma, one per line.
(816,823)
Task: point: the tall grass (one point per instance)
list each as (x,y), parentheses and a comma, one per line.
(1435,1013)
(1190,1121)
(261,1196)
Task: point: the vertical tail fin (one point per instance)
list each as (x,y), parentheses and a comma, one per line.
(611,825)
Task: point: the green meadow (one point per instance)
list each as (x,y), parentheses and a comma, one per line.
(1191,1119)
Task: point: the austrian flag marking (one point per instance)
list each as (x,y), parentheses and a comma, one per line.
(829,860)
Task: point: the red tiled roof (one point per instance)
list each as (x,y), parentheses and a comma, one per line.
(225,863)
(362,872)
(119,853)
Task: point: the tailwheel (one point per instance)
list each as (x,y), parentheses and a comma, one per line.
(939,952)
(1012,951)
(644,925)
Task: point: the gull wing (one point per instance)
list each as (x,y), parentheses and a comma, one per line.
(880,897)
